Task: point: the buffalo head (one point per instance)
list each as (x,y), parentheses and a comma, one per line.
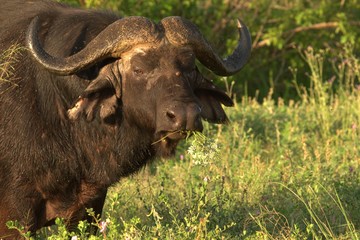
(147,76)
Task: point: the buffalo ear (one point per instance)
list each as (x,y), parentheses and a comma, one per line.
(105,103)
(210,98)
(101,96)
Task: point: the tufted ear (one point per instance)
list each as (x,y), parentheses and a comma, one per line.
(211,98)
(102,95)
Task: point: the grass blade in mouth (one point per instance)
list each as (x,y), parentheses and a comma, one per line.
(170,134)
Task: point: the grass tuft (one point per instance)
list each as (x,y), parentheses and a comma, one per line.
(8,59)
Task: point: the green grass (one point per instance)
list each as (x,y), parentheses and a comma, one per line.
(276,171)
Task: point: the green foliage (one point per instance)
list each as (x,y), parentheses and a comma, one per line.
(15,225)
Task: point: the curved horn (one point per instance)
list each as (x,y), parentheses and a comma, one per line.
(111,42)
(180,31)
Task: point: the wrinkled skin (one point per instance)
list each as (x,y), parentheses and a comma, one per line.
(65,139)
(171,82)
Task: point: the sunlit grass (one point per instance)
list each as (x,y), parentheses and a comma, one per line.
(7,60)
(276,171)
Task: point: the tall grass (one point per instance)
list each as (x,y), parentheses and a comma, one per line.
(277,171)
(7,60)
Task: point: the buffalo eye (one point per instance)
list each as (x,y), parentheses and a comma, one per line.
(138,71)
(187,62)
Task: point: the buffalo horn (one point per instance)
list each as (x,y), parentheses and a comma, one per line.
(180,31)
(111,42)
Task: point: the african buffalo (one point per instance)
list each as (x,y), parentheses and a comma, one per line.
(92,98)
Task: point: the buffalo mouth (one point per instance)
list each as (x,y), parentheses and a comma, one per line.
(167,142)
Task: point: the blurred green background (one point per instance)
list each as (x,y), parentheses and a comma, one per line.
(280,29)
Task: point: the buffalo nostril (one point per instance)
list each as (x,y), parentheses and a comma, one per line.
(170,114)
